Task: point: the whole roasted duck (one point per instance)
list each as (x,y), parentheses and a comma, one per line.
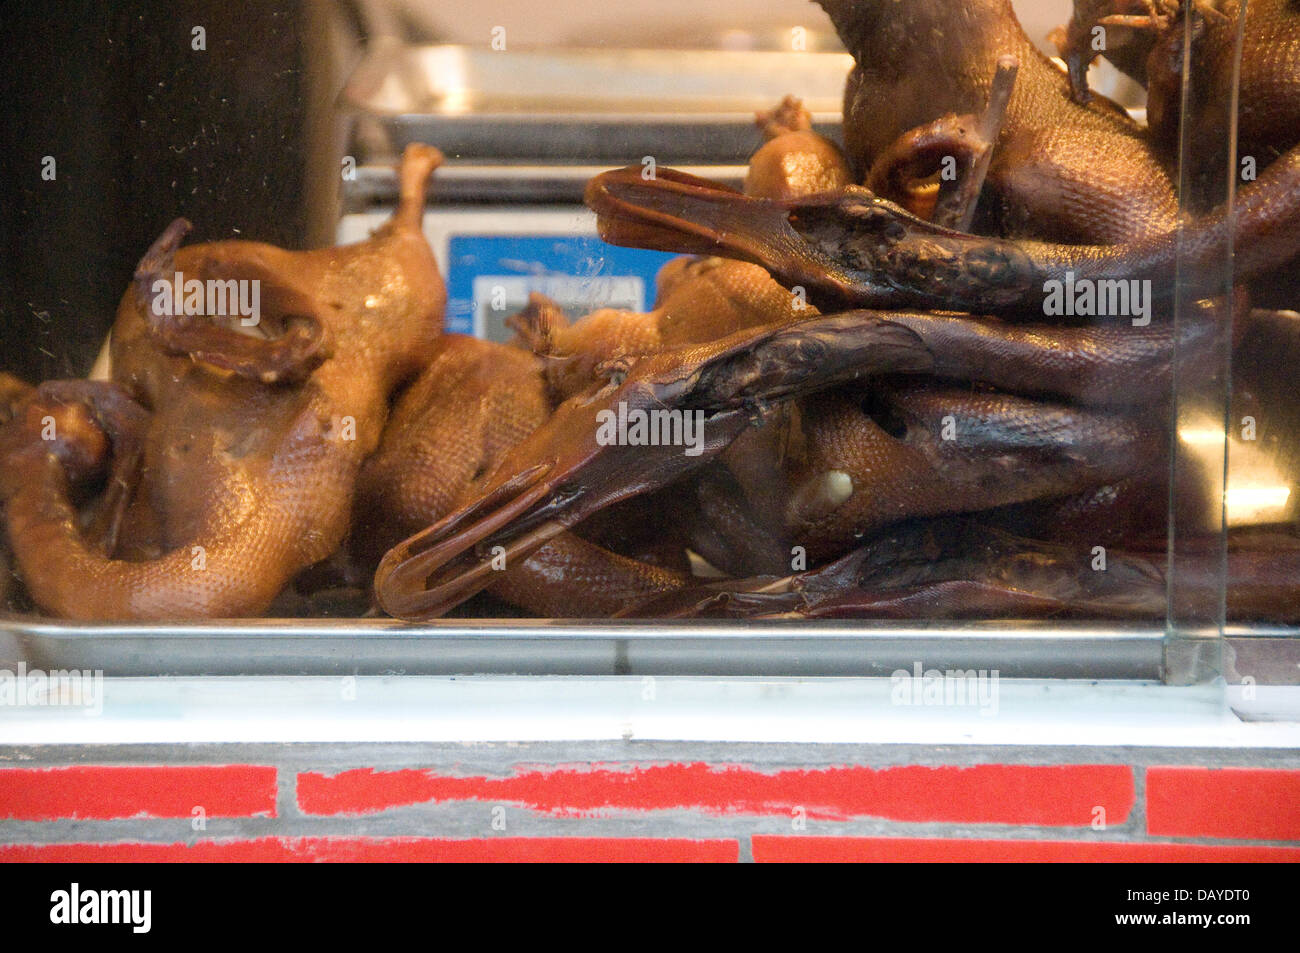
(449,432)
(227,450)
(1060,171)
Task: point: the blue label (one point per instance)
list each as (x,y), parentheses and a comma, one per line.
(491,276)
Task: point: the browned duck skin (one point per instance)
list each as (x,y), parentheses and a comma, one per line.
(1133,512)
(1138,508)
(701,300)
(63,435)
(1145,39)
(925,452)
(933,569)
(585,456)
(573,578)
(573,352)
(1135,508)
(242,483)
(853,248)
(1094,366)
(474,403)
(1062,172)
(1268,109)
(1267,103)
(795,160)
(1039,580)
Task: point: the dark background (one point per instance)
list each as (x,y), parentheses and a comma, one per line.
(143,129)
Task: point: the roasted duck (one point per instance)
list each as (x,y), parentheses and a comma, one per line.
(228,459)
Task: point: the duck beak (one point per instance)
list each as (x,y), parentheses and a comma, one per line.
(682,213)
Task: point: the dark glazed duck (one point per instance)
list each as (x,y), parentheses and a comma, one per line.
(963,569)
(449,431)
(853,248)
(574,466)
(1060,172)
(925,451)
(1148,44)
(233,457)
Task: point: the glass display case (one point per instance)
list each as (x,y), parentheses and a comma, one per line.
(790,340)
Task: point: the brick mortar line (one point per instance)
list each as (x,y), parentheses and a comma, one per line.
(422,808)
(455,822)
(746,853)
(413,814)
(286,793)
(1139,816)
(743,839)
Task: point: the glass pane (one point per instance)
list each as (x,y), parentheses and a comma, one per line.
(1202,381)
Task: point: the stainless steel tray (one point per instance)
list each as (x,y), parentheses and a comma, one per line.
(591,105)
(538,647)
(1269,655)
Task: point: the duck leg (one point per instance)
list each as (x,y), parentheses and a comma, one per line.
(795,160)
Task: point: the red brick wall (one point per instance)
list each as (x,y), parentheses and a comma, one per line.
(366,803)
